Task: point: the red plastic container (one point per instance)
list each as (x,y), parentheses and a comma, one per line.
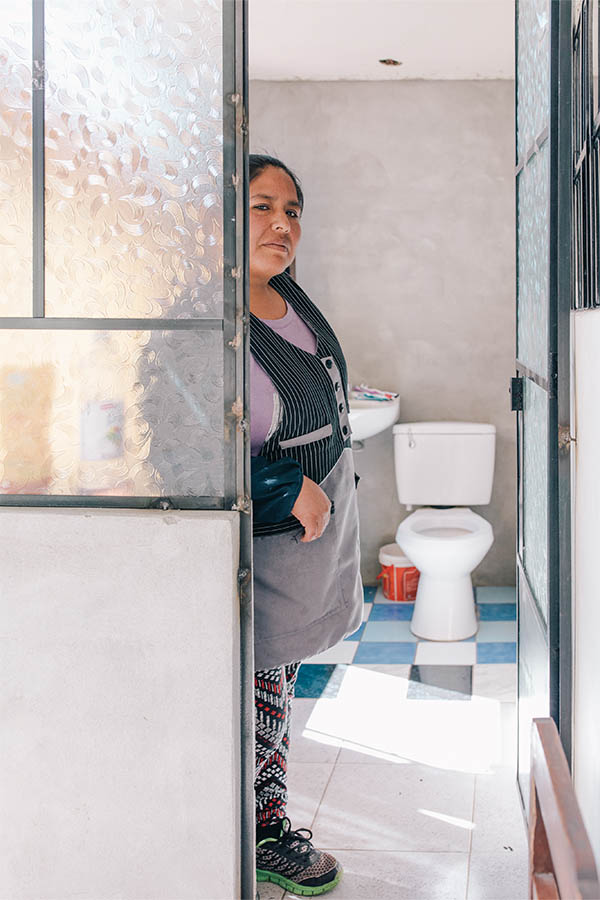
(399,578)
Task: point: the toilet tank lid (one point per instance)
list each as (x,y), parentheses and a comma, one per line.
(444,428)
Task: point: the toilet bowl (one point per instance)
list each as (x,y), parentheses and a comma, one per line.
(445,545)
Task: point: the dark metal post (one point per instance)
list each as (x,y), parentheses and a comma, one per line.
(38,78)
(560,293)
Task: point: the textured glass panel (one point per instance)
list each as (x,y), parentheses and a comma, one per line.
(532,276)
(533,71)
(535,487)
(111,413)
(134,133)
(15,159)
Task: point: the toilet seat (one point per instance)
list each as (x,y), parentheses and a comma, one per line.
(445,545)
(458,523)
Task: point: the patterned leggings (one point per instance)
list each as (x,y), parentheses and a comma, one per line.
(273,693)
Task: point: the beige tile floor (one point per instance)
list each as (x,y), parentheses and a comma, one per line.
(416,798)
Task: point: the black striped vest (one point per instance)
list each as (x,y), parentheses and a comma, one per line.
(313,426)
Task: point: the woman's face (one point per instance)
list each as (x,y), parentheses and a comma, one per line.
(274,223)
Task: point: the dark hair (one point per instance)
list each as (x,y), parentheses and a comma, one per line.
(259,162)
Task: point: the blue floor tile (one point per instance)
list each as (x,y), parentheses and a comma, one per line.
(370,590)
(388,652)
(496,652)
(497,612)
(319,680)
(391,612)
(357,635)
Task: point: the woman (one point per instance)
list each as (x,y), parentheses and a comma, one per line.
(307,589)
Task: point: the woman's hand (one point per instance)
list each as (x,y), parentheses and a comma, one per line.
(312,509)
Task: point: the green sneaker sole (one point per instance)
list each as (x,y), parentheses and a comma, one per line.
(303,890)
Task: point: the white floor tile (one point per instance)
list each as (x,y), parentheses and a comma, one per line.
(498,876)
(305,748)
(268,891)
(496,594)
(339,653)
(371,717)
(306,784)
(367,611)
(442,653)
(508,718)
(396,807)
(496,681)
(497,631)
(498,815)
(379,598)
(392,669)
(369,875)
(388,631)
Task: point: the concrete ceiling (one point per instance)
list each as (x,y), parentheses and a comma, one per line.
(331,40)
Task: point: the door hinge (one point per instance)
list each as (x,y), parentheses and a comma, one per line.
(565,438)
(516,394)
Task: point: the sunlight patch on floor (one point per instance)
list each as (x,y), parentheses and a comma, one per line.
(450,820)
(371,715)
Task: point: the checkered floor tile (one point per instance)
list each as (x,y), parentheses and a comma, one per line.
(438,669)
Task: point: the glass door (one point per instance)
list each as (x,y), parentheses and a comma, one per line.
(123,278)
(540,390)
(121,253)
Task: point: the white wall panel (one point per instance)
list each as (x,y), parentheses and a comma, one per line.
(586,626)
(119,703)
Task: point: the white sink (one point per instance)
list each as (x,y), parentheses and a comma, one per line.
(369,417)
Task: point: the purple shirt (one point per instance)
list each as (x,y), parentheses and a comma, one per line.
(264,399)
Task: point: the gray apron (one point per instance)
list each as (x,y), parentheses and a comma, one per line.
(307,595)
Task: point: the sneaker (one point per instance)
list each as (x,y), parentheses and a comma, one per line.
(292,862)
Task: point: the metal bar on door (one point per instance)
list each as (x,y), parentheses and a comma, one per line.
(111,502)
(48,323)
(248,817)
(38,78)
(560,289)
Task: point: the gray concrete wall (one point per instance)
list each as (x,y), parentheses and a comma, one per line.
(119,700)
(408,248)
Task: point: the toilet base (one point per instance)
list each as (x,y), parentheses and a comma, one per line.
(444,609)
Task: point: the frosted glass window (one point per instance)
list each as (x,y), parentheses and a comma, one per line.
(134,139)
(15,160)
(533,71)
(113,413)
(532,276)
(535,488)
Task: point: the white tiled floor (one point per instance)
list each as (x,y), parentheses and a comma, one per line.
(496,631)
(402,818)
(389,631)
(497,681)
(439,653)
(340,653)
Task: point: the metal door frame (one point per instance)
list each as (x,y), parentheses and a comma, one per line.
(557,384)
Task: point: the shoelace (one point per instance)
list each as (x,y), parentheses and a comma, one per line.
(299,842)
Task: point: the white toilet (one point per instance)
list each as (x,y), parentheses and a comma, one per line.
(444,467)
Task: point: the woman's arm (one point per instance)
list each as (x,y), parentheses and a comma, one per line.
(275,488)
(279,489)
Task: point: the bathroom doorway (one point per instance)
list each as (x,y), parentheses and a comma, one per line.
(406,155)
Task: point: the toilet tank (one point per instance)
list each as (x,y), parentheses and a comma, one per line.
(444,463)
